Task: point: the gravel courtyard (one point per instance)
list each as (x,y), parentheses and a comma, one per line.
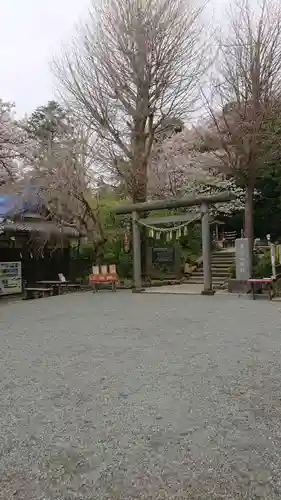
(127,396)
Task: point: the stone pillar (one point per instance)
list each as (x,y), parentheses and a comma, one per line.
(137,286)
(206,250)
(242,259)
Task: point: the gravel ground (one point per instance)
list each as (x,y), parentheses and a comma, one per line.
(125,396)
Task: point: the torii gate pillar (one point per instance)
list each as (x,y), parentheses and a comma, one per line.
(137,285)
(206,250)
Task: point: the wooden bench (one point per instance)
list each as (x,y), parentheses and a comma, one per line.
(37,293)
(60,286)
(103,275)
(267,282)
(71,287)
(67,285)
(57,286)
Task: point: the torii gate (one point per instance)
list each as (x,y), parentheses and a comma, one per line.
(203,201)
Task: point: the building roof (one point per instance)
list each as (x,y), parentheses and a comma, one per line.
(22,213)
(40,226)
(15,203)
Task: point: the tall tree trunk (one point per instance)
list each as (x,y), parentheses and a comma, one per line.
(249,211)
(248,226)
(139,195)
(139,171)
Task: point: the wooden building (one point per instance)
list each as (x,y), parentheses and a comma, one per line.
(27,235)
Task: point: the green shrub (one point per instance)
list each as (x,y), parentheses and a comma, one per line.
(262,266)
(125,265)
(113,253)
(191,244)
(232,271)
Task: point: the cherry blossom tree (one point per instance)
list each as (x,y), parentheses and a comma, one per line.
(15,145)
(65,179)
(180,167)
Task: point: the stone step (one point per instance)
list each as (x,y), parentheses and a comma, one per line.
(216,286)
(223,256)
(222,259)
(220,274)
(201,276)
(221,264)
(223,270)
(201,273)
(221,267)
(226,254)
(223,252)
(201,280)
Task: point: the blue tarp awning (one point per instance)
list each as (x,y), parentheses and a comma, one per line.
(11,204)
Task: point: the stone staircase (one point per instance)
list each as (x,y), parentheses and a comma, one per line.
(221,262)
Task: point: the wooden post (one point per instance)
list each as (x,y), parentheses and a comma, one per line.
(217,232)
(149,262)
(177,260)
(273,260)
(137,285)
(206,250)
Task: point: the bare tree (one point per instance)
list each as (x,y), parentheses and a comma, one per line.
(247,94)
(133,65)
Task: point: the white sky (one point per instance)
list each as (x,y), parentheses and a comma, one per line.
(31,33)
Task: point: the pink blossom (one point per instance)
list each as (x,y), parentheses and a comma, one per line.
(15,146)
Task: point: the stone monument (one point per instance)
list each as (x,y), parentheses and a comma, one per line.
(242,258)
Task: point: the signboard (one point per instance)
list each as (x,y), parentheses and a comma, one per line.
(163,255)
(10,278)
(242,257)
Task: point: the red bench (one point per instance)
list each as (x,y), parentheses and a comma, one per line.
(268,282)
(103,274)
